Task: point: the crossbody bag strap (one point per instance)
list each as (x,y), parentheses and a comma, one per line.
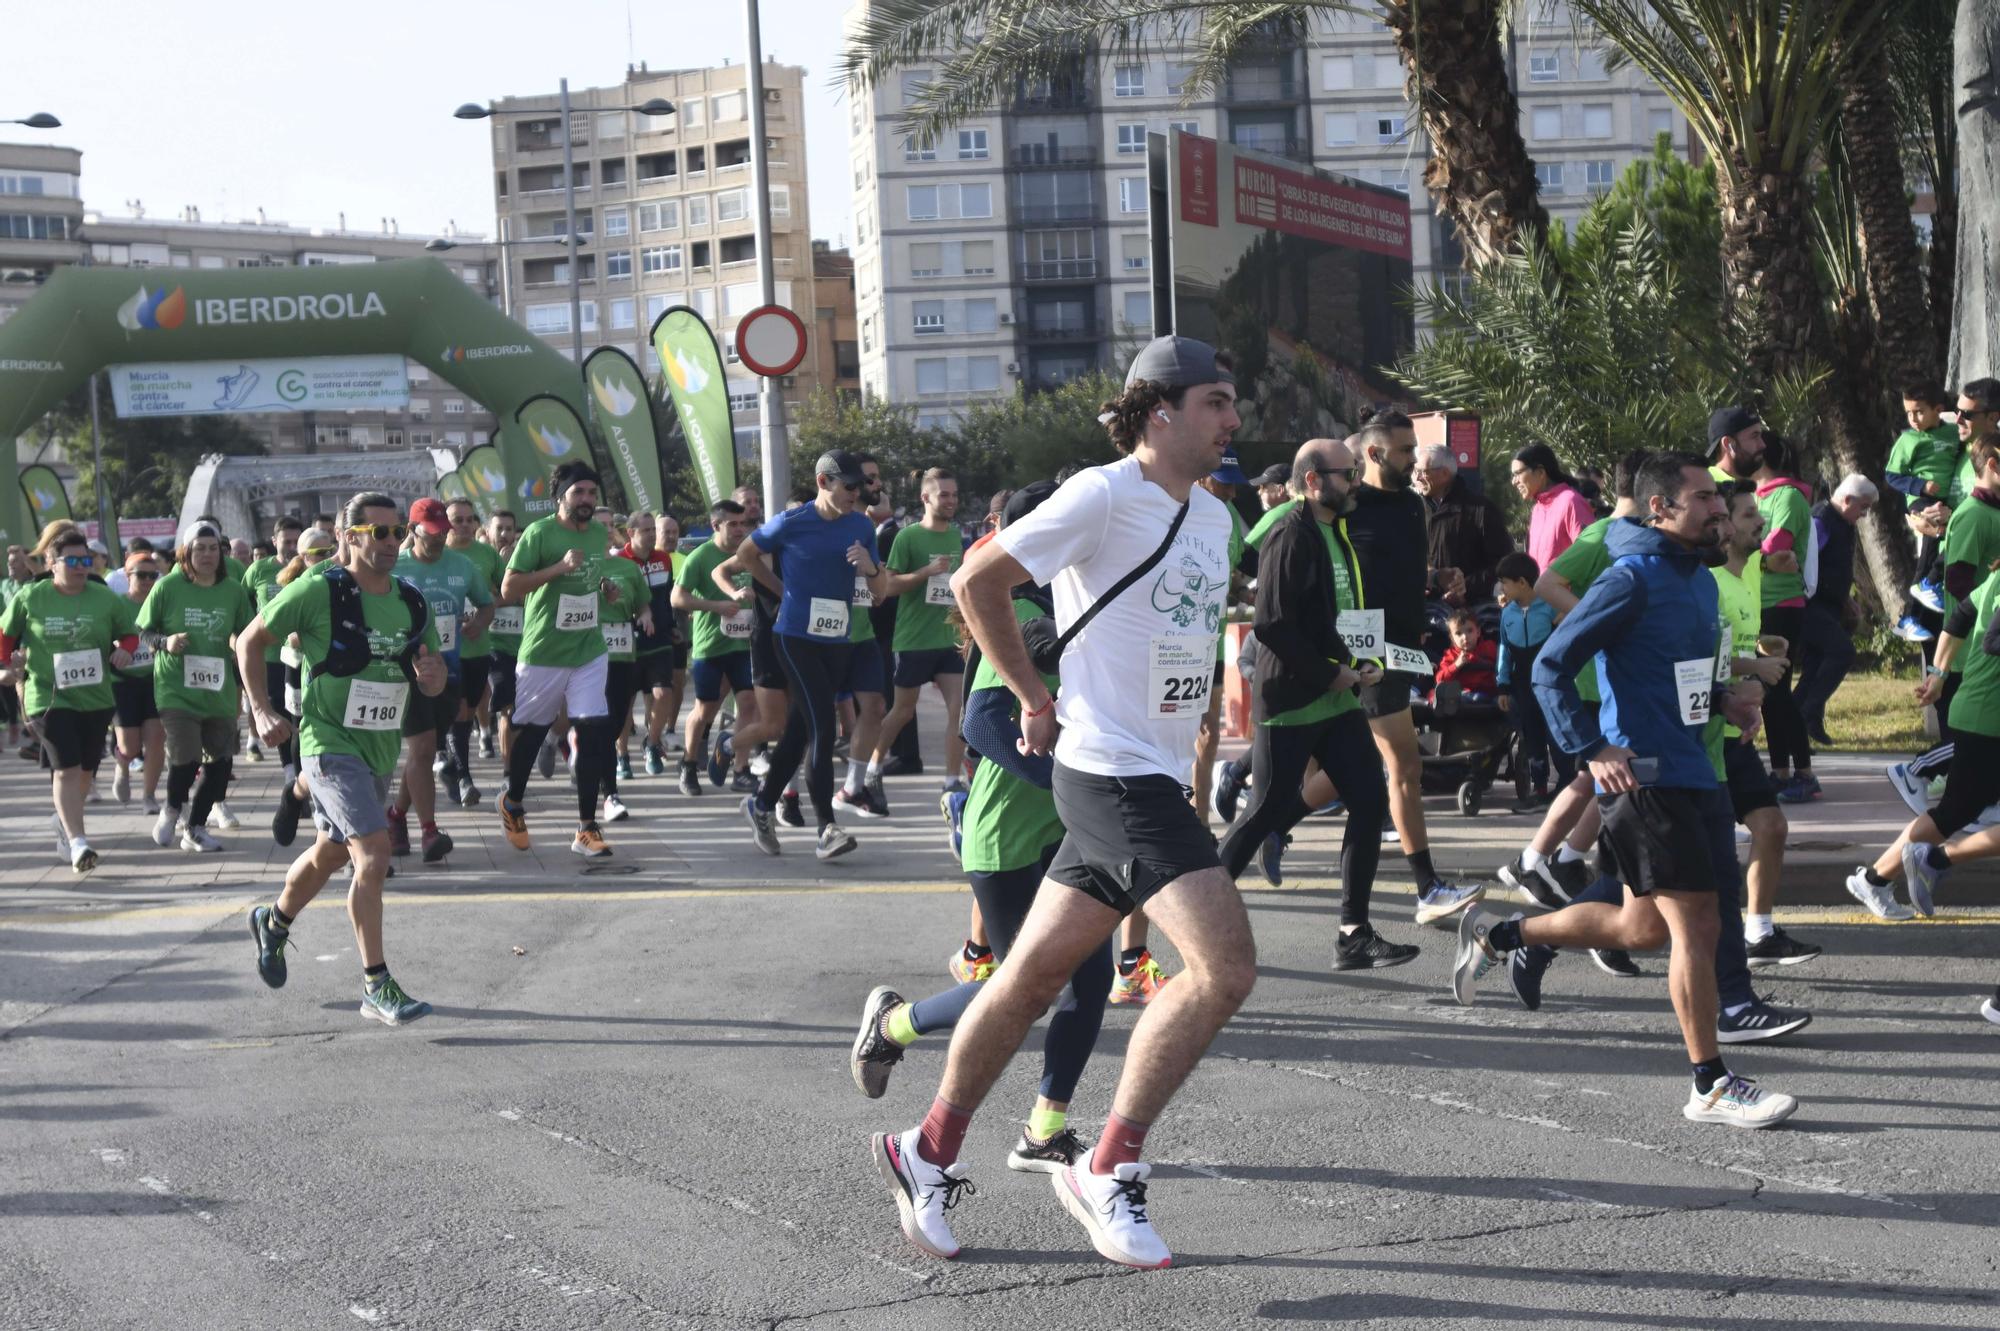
(1124,583)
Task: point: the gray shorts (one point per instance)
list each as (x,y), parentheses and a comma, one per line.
(348,800)
(197,739)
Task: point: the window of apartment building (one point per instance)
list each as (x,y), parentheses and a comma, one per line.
(868,333)
(1132,138)
(660,259)
(1185,126)
(692,111)
(929,318)
(46,184)
(982,315)
(1548,122)
(1135,252)
(1590,67)
(1659,120)
(617,264)
(972,145)
(1389,129)
(454,406)
(420,439)
(34,226)
(1395,180)
(732,205)
(1336,73)
(1597,120)
(920,150)
(740,298)
(610,124)
(914,83)
(1544,66)
(617,222)
(543,319)
(1059,254)
(702,302)
(658,304)
(421,406)
(931,203)
(1129,81)
(726,106)
(1341,128)
(1598,173)
(927,259)
(742,397)
(1177,78)
(1131,194)
(975,257)
(1550,174)
(662,216)
(621,312)
(697,209)
(781,200)
(926,317)
(1138,311)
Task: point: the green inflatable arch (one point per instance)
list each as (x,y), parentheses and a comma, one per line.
(84,319)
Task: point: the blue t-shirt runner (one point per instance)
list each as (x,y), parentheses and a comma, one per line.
(808,552)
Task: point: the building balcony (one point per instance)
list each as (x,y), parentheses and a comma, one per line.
(1053,212)
(1297,150)
(1072,330)
(1040,154)
(1253,89)
(1058,270)
(1061,102)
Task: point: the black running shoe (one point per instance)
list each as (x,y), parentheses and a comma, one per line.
(1532,884)
(1759,1021)
(1364,949)
(1227,790)
(285,822)
(1572,876)
(1050,1157)
(1613,962)
(1779,948)
(271,941)
(690,779)
(1525,969)
(788,811)
(874,1054)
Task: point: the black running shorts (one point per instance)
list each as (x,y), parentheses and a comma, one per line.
(1750,787)
(1663,839)
(1126,837)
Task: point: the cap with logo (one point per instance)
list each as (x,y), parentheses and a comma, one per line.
(1275,474)
(1175,362)
(842,464)
(428,515)
(1231,470)
(1729,421)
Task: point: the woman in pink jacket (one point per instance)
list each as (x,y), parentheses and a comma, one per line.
(1557,512)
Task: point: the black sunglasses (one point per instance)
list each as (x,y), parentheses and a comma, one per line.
(1345,473)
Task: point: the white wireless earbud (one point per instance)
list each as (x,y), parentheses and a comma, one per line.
(1162,417)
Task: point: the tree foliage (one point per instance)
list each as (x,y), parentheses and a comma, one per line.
(148,461)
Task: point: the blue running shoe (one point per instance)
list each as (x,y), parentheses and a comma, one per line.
(1910,629)
(1271,859)
(952,805)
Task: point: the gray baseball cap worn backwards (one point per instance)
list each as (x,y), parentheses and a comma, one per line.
(1177,362)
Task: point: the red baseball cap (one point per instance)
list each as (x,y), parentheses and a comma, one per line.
(429,514)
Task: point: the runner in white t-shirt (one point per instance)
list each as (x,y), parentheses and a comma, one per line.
(1135,684)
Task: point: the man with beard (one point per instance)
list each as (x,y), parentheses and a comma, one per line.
(1652,620)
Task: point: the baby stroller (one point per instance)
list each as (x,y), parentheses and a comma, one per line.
(1465,739)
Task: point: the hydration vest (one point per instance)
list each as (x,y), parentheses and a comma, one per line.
(348,652)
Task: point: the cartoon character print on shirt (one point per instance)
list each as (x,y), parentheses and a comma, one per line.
(1184,592)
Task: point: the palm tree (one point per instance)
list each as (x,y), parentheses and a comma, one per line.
(1455,73)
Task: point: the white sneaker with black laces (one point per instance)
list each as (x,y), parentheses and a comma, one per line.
(200,840)
(832,842)
(1738,1102)
(615,810)
(1880,899)
(1059,1152)
(1112,1210)
(923,1191)
(1759,1021)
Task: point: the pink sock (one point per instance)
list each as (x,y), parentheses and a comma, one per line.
(1120,1144)
(943,1132)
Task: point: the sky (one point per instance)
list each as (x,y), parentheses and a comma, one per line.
(310,109)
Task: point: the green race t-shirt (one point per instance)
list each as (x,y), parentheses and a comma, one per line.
(1971,537)
(861,624)
(1008,822)
(68,641)
(922,624)
(1580,566)
(1785,509)
(615,617)
(450,583)
(1255,540)
(487,560)
(1347,596)
(260,580)
(1932,454)
(560,619)
(1740,599)
(202,680)
(1976,705)
(1236,534)
(708,636)
(359,714)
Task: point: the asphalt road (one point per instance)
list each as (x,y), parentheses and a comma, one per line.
(631,1109)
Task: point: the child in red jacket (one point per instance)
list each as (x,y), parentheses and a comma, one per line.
(1472,660)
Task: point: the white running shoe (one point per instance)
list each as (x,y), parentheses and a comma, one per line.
(82,858)
(200,840)
(1923,880)
(615,810)
(62,837)
(1475,958)
(1737,1101)
(1991,1011)
(1880,901)
(222,819)
(832,842)
(1909,787)
(151,806)
(121,783)
(1112,1210)
(1443,900)
(163,826)
(923,1191)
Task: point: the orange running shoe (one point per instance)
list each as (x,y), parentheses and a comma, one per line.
(514,822)
(589,843)
(1143,985)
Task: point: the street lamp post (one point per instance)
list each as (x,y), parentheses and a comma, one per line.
(656,106)
(39,120)
(439,244)
(776,449)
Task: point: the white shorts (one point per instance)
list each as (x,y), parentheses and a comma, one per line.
(539,690)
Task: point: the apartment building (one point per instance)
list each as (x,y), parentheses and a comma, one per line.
(1012,254)
(41,217)
(664,211)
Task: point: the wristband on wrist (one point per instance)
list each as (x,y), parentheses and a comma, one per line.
(1027,715)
